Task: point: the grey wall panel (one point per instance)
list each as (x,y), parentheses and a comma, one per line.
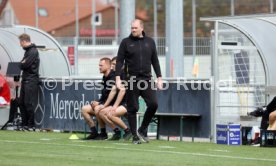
(183,99)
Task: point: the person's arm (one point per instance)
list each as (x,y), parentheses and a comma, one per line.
(101,85)
(29,60)
(118,82)
(159,83)
(120,97)
(1,82)
(110,96)
(120,62)
(156,67)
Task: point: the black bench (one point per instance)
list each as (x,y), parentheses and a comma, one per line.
(182,117)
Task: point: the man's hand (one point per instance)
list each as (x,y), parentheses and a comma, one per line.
(118,82)
(101,107)
(112,110)
(159,83)
(94,104)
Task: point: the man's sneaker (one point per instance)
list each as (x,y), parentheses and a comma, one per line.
(21,128)
(127,136)
(143,136)
(30,129)
(256,141)
(91,136)
(115,137)
(26,128)
(101,136)
(258,112)
(136,140)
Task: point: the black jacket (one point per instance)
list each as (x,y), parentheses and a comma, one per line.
(138,54)
(31,65)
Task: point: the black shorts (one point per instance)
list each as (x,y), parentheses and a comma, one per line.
(124,105)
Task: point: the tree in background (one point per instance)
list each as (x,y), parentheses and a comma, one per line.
(204,8)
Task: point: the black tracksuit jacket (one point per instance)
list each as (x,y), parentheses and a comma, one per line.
(31,66)
(138,54)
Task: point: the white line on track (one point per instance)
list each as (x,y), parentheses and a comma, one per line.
(219,150)
(166,147)
(145,150)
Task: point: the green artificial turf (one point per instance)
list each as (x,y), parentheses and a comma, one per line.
(55,149)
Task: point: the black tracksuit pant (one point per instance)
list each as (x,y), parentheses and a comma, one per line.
(144,90)
(28,100)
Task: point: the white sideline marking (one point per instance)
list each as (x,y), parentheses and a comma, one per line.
(166,147)
(49,139)
(145,150)
(218,150)
(123,144)
(45,139)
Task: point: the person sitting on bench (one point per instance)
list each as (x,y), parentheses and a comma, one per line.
(5,95)
(93,109)
(268,114)
(114,108)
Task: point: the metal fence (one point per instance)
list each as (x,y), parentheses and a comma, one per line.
(202,44)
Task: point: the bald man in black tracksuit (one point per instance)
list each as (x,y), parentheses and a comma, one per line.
(138,52)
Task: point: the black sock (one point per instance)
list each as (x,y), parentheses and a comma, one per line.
(126,130)
(93,129)
(103,130)
(116,130)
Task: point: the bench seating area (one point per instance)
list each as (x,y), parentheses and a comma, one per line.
(157,119)
(182,117)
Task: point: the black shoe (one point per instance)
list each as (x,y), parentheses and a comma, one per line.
(256,141)
(136,140)
(127,136)
(143,136)
(258,112)
(22,128)
(26,128)
(115,137)
(101,136)
(31,128)
(91,136)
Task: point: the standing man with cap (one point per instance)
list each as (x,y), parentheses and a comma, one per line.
(138,52)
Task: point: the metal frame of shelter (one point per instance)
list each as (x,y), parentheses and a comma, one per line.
(54,61)
(243,66)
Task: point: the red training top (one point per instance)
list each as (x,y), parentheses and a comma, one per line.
(4,89)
